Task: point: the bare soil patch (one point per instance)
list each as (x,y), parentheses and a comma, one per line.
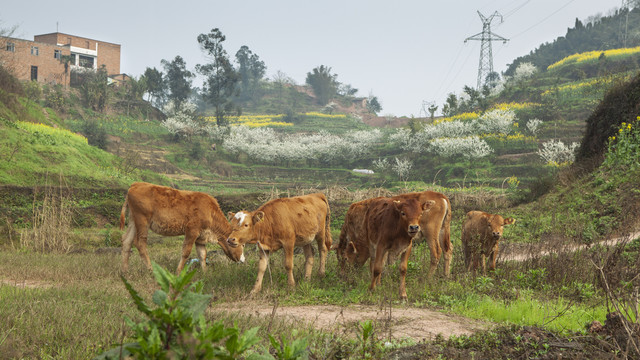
(395,322)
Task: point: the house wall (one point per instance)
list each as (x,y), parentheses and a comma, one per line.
(108,53)
(20,61)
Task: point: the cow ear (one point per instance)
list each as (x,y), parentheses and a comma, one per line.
(230,215)
(258,216)
(428,205)
(509,221)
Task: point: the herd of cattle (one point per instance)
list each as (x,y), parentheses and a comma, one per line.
(379,230)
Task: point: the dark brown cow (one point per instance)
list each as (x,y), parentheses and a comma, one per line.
(435,228)
(172,212)
(390,226)
(353,246)
(481,233)
(284,223)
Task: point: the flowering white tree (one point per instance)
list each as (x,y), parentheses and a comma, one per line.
(181,119)
(497,121)
(402,167)
(533,126)
(524,71)
(471,147)
(266,145)
(555,152)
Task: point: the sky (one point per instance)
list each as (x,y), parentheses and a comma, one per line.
(405,53)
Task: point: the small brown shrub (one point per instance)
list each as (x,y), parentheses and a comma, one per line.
(51,223)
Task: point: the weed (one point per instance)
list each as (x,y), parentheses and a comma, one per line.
(176,328)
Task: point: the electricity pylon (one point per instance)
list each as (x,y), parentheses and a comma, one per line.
(485,66)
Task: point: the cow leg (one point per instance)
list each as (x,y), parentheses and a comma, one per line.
(404,261)
(483,259)
(431,233)
(140,242)
(127,241)
(447,249)
(262,267)
(308,261)
(190,237)
(492,258)
(376,267)
(201,249)
(322,249)
(288,263)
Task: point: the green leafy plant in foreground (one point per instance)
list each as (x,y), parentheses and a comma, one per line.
(177,329)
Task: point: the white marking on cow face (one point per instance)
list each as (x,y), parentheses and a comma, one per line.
(241,215)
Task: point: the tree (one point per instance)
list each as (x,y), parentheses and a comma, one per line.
(373,105)
(95,89)
(156,85)
(221,80)
(132,91)
(250,70)
(323,83)
(178,79)
(450,106)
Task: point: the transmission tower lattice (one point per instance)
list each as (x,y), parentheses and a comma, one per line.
(485,66)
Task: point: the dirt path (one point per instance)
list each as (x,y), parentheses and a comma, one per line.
(395,323)
(545,249)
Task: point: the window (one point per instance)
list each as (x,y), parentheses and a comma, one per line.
(57,54)
(34,50)
(34,73)
(11,47)
(86,61)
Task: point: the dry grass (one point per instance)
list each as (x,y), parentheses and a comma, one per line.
(51,224)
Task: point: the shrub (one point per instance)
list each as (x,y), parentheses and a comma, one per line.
(624,148)
(176,328)
(556,153)
(96,135)
(51,223)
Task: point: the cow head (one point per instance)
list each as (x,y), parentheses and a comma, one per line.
(495,224)
(242,232)
(410,211)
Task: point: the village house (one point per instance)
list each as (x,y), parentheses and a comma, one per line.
(50,58)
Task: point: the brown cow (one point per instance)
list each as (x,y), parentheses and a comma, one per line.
(284,223)
(353,246)
(172,212)
(434,224)
(481,233)
(390,227)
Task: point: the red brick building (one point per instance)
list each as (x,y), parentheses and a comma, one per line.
(51,57)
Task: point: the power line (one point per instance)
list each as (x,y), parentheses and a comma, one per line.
(543,20)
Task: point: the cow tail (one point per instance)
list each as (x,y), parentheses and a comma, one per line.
(124,209)
(446,227)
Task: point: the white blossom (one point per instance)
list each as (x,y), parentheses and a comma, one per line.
(555,152)
(471,147)
(533,126)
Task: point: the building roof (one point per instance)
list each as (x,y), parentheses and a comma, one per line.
(82,37)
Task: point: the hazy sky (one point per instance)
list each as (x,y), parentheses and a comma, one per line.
(403,52)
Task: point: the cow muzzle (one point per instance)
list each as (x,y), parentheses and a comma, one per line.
(497,235)
(413,229)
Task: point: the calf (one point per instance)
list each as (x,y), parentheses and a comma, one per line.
(172,212)
(390,227)
(284,223)
(434,227)
(481,233)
